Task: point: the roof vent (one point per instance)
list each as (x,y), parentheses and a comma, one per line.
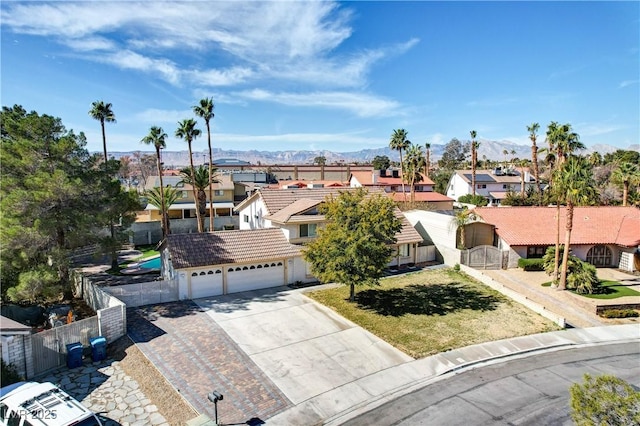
(395,174)
(498,171)
(315,185)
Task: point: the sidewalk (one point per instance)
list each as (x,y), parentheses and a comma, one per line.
(347,401)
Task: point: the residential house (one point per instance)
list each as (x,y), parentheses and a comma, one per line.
(492,184)
(391,182)
(603,236)
(215,263)
(13,335)
(295,211)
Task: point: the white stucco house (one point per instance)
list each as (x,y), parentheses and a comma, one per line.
(493,184)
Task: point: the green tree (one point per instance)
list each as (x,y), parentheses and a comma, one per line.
(398,143)
(458,222)
(575,182)
(622,156)
(199,181)
(427,159)
(533,135)
(454,155)
(354,248)
(204,110)
(627,174)
(414,164)
(476,200)
(187,130)
(381,162)
(604,400)
(474,160)
(162,198)
(320,160)
(157,137)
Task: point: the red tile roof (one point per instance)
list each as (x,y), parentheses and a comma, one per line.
(421,196)
(216,248)
(520,226)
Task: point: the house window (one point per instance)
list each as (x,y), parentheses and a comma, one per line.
(403,250)
(183,194)
(246,218)
(599,256)
(536,252)
(481,186)
(505,186)
(308,230)
(218,192)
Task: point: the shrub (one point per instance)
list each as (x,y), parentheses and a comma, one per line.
(531,264)
(619,313)
(456,267)
(581,276)
(604,400)
(477,200)
(9,374)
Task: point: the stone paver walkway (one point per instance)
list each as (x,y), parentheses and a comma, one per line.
(104,388)
(197,357)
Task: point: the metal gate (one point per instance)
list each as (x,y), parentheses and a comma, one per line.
(483,257)
(49,347)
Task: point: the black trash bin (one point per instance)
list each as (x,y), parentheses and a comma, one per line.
(98,348)
(74,355)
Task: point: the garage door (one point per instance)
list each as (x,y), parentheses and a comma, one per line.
(205,283)
(255,276)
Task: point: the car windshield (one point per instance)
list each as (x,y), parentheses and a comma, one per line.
(89,421)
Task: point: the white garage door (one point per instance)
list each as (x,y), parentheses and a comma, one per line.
(255,276)
(205,283)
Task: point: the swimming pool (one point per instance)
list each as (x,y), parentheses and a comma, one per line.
(153,263)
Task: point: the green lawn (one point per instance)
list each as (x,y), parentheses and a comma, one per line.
(613,290)
(428,312)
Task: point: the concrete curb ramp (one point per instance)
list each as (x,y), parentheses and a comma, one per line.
(359,396)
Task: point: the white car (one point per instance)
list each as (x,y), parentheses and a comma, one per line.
(37,404)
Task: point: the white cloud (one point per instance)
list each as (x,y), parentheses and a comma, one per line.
(127,59)
(626,83)
(225,77)
(361,104)
(596,129)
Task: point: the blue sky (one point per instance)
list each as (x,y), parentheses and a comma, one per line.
(327,75)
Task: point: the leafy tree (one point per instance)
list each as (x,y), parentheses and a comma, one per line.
(533,135)
(354,247)
(320,160)
(622,156)
(476,200)
(441,179)
(187,130)
(454,155)
(604,400)
(627,174)
(157,137)
(381,162)
(399,142)
(581,276)
(204,110)
(145,164)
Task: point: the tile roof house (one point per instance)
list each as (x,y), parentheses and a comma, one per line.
(215,263)
(492,184)
(602,235)
(295,211)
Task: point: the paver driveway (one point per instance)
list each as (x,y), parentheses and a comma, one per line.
(304,348)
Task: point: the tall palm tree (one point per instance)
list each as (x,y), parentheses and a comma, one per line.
(162,199)
(187,130)
(414,164)
(399,142)
(577,186)
(204,110)
(627,174)
(474,159)
(522,163)
(533,135)
(199,181)
(103,112)
(427,164)
(157,137)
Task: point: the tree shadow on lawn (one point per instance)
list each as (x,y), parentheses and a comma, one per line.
(434,299)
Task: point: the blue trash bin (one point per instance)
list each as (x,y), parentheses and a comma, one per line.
(98,348)
(74,355)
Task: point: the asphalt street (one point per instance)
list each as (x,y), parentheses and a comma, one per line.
(532,390)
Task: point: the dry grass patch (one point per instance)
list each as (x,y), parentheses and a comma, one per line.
(428,312)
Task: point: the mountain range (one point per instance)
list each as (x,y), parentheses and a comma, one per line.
(492,150)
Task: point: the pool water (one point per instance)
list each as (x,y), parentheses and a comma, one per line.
(150,264)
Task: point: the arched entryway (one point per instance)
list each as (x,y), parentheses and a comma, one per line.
(599,256)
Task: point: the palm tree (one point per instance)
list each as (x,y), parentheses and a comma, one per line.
(627,174)
(163,198)
(461,219)
(205,111)
(103,112)
(199,181)
(187,130)
(505,153)
(414,164)
(399,142)
(533,135)
(474,159)
(522,164)
(576,184)
(427,164)
(157,137)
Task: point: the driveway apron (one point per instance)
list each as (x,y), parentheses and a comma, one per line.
(197,357)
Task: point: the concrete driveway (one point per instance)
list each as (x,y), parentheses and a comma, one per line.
(304,348)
